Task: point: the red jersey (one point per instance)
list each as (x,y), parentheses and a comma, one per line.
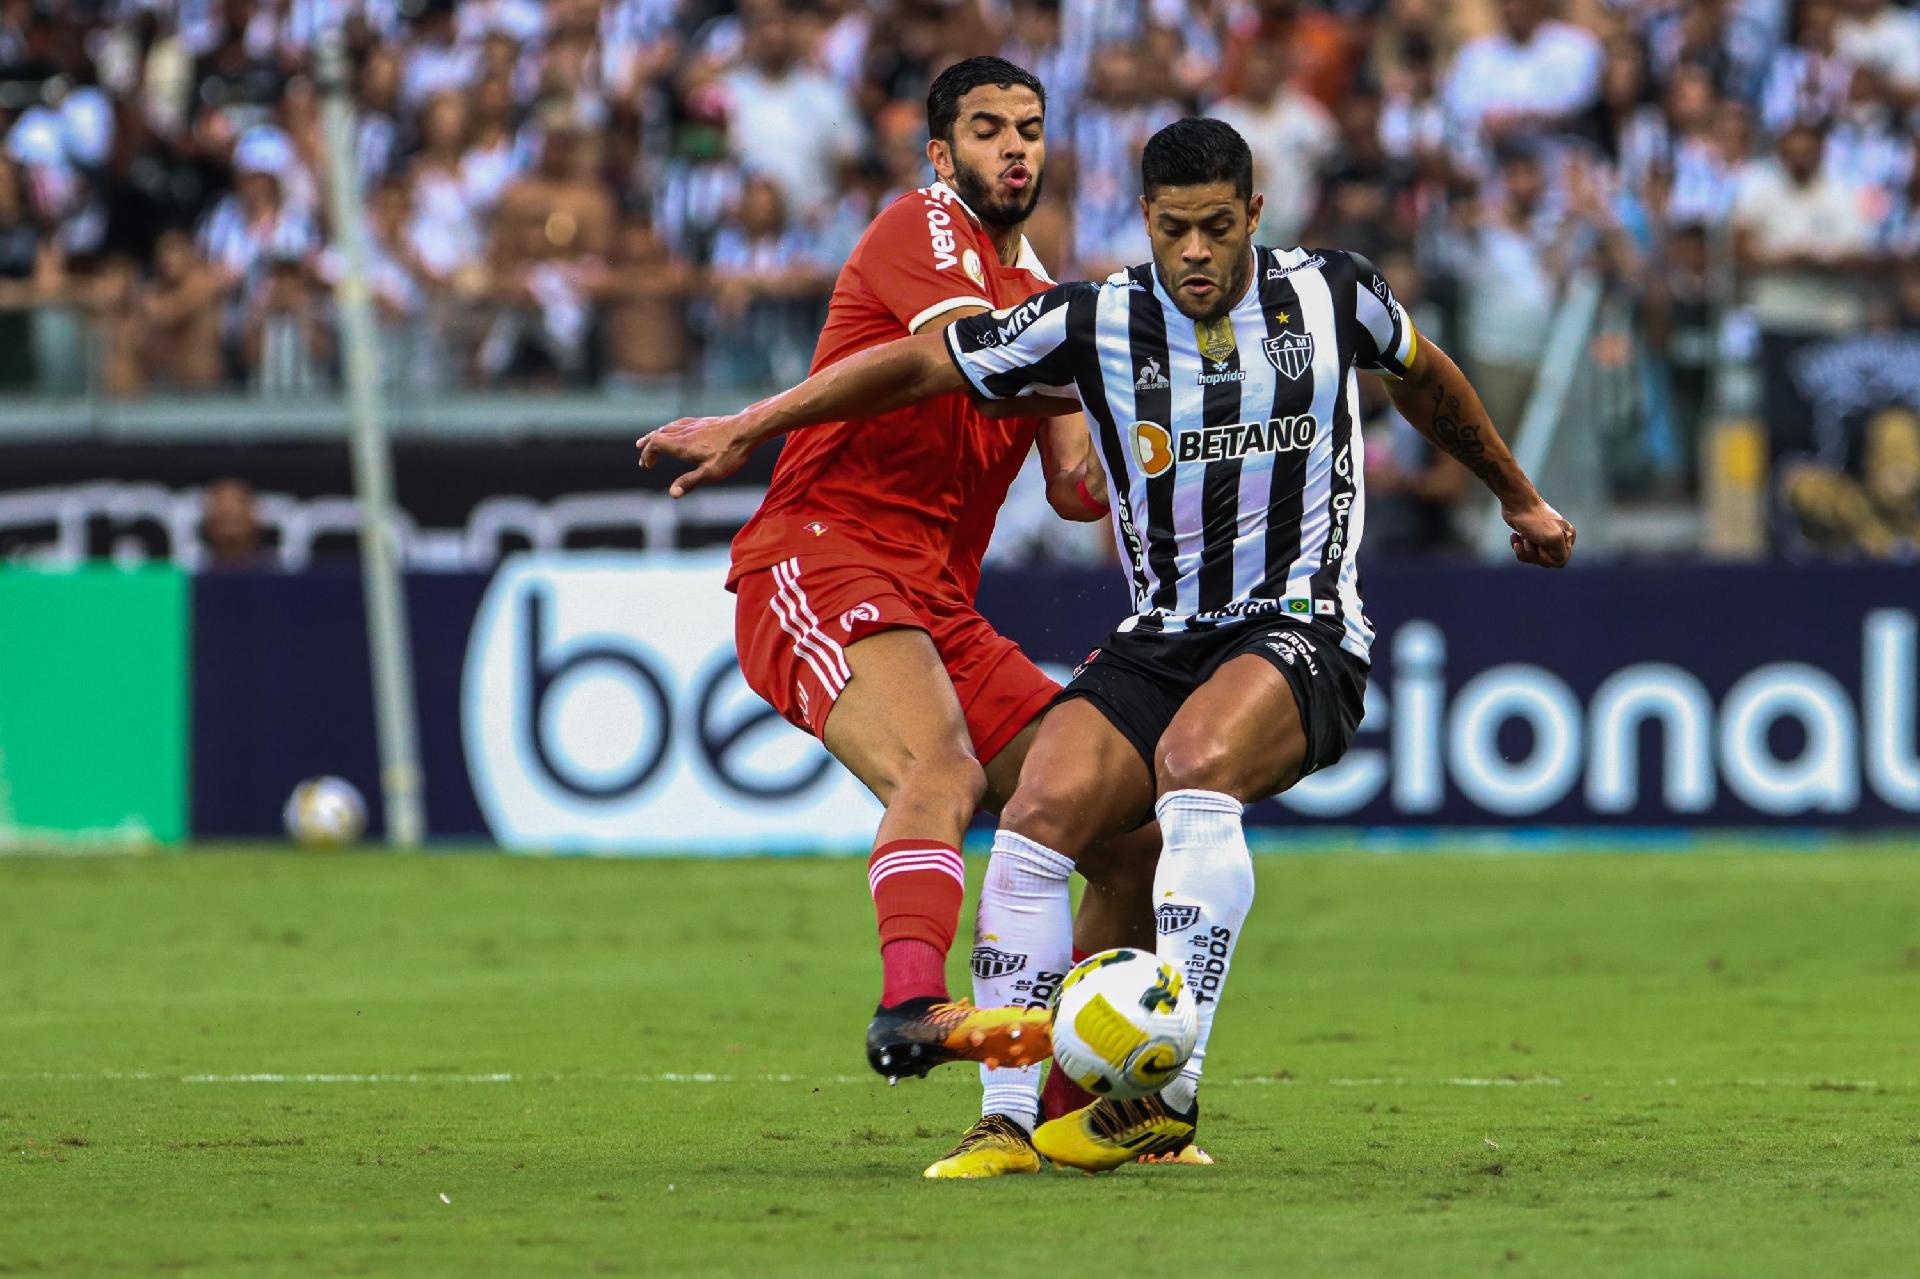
(916,489)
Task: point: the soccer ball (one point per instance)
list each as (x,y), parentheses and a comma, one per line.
(1123,1024)
(324,811)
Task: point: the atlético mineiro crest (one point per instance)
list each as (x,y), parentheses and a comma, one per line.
(1169,918)
(1291,353)
(990,962)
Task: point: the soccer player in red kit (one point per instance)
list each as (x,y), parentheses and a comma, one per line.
(856,582)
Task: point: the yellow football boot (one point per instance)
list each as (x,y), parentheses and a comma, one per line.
(1103,1136)
(913,1037)
(994,1147)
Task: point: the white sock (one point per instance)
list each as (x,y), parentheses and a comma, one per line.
(1202,891)
(1022,948)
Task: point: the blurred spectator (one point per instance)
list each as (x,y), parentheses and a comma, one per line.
(700,182)
(377,141)
(1322,47)
(1414,492)
(1682,335)
(551,234)
(230,525)
(286,341)
(1801,239)
(1885,37)
(764,283)
(1292,138)
(1808,82)
(1714,37)
(786,120)
(261,218)
(1533,75)
(434,62)
(1413,120)
(1509,287)
(177,328)
(643,298)
(1105,142)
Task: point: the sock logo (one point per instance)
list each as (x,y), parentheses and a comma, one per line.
(1169,918)
(1207,965)
(990,962)
(1040,992)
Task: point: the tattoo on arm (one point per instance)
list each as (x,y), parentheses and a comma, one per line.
(1461,438)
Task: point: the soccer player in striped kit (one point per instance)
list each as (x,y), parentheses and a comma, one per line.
(1218,383)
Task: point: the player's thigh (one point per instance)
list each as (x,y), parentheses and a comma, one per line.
(1240,733)
(1003,769)
(1082,782)
(898,716)
(1002,693)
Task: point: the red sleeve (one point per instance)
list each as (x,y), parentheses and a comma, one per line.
(918,258)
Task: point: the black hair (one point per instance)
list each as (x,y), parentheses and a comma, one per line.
(1193,152)
(962,78)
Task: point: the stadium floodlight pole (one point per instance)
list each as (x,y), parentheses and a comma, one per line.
(400,777)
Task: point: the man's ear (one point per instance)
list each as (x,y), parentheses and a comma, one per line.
(1254,206)
(940,156)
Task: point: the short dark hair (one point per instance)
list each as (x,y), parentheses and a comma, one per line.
(1195,151)
(962,78)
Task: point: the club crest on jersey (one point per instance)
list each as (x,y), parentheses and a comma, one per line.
(970,263)
(1291,353)
(816,528)
(1216,341)
(1152,448)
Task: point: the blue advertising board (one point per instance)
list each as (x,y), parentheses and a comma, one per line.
(591,702)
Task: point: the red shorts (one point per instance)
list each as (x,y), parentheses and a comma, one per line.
(794,622)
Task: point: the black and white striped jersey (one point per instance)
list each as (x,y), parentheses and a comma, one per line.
(1232,447)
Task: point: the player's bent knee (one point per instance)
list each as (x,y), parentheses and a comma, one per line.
(1196,762)
(952,779)
(1054,816)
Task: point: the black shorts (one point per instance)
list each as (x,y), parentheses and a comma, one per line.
(1140,681)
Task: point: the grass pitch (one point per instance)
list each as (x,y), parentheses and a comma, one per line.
(270,1063)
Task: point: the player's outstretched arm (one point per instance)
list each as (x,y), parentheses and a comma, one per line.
(875,381)
(1443,406)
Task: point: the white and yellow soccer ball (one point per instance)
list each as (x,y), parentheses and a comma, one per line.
(324,812)
(1123,1024)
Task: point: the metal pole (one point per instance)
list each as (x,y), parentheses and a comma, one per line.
(400,779)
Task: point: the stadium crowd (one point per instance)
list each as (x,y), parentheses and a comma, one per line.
(613,192)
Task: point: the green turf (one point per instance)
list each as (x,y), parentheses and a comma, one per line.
(1427,1065)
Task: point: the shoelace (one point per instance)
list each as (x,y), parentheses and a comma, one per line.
(1114,1119)
(987,1127)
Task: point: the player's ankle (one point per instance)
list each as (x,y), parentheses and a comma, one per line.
(911,969)
(1180,1095)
